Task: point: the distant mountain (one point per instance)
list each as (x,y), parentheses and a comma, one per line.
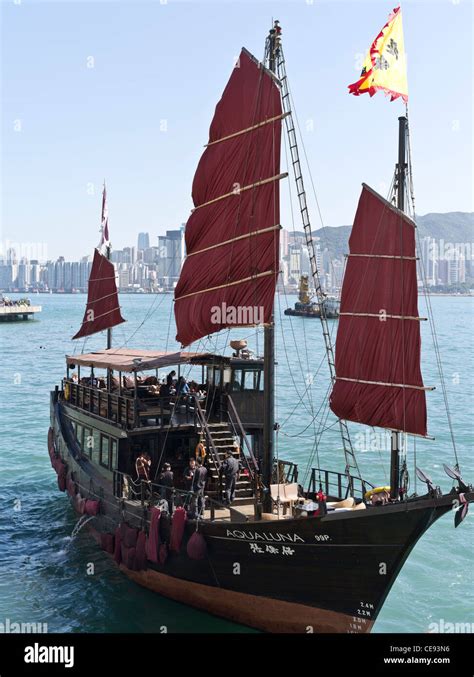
(451,227)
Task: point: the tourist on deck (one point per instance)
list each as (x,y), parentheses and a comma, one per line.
(166,480)
(199,486)
(142,466)
(230,469)
(189,474)
(183,388)
(170,378)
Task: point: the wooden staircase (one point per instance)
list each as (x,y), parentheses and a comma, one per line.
(223,441)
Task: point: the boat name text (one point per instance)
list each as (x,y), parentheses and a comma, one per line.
(264,536)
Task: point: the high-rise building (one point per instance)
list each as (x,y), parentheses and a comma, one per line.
(428,264)
(284,241)
(143,241)
(294,269)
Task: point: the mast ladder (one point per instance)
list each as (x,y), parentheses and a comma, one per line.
(350,458)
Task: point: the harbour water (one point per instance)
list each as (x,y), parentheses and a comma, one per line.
(47,578)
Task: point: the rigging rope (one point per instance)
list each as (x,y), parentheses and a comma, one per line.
(428,301)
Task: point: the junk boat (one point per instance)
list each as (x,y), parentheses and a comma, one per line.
(304,307)
(282,557)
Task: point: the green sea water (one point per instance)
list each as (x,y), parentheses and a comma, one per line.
(44,575)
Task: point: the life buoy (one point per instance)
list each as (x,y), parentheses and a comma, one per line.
(376,490)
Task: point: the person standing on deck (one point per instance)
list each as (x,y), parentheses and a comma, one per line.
(142,466)
(199,485)
(189,474)
(230,469)
(170,379)
(182,389)
(166,480)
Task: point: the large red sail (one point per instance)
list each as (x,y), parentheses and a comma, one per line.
(102,310)
(232,235)
(378,375)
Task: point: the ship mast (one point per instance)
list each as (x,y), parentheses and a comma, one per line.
(108,249)
(349,455)
(400,172)
(109,330)
(271,49)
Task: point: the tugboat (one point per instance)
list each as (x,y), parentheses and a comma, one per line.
(281,557)
(304,307)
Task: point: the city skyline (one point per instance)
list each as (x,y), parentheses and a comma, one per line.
(157,268)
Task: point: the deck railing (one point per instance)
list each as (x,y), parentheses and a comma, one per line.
(337,484)
(150,493)
(284,472)
(129,411)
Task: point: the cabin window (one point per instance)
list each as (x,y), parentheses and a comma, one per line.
(237,380)
(250,380)
(113,454)
(217,377)
(227,373)
(104,451)
(95,455)
(79,433)
(87,441)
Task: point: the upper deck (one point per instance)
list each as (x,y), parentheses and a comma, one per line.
(124,387)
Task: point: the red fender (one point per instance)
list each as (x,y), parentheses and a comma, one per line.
(91,507)
(129,535)
(153,540)
(197,546)
(177,529)
(140,554)
(128,557)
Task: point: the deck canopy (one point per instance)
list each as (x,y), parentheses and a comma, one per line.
(129,360)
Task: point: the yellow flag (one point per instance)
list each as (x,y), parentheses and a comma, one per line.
(385,65)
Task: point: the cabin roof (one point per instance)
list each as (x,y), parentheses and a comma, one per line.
(130,360)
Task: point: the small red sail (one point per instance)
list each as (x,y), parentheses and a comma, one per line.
(232,235)
(102,310)
(378,375)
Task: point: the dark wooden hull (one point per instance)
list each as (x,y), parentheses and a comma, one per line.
(313,574)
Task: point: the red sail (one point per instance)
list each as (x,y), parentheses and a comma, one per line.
(378,375)
(103,310)
(232,235)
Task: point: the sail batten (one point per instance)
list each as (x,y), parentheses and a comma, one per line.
(232,235)
(378,375)
(102,309)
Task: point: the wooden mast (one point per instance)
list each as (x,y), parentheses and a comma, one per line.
(400,182)
(269,350)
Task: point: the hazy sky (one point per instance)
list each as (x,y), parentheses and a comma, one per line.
(126,91)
